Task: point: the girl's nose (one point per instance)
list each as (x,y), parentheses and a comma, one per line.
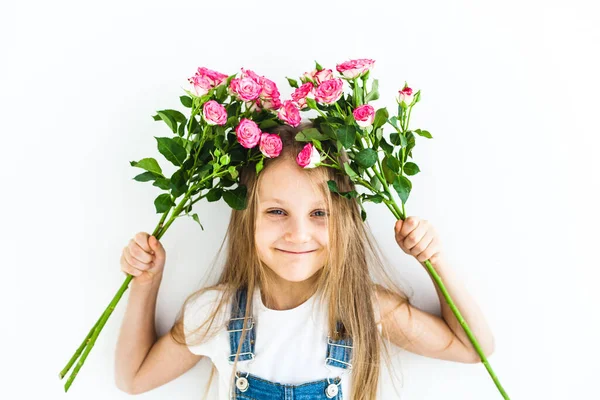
(297,230)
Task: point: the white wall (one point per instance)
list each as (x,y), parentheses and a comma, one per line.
(510,180)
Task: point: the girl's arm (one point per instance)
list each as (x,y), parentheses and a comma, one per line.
(467,307)
(427,334)
(142,362)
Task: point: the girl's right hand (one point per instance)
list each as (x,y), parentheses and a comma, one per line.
(144,257)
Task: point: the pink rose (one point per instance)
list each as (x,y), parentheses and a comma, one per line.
(269,89)
(364,115)
(319,76)
(405,95)
(214,113)
(270,104)
(355,68)
(308,157)
(289,113)
(245,88)
(246,73)
(206,79)
(248,133)
(269,96)
(270,144)
(301,93)
(329,91)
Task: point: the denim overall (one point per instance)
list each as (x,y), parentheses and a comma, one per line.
(248,386)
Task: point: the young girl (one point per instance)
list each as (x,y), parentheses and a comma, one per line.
(296,312)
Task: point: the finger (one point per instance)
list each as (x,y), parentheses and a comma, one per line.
(429,251)
(141,238)
(156,246)
(138,252)
(127,268)
(415,236)
(408,226)
(134,262)
(423,248)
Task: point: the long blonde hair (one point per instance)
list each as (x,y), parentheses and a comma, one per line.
(347,281)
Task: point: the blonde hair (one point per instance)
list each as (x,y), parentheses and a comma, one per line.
(347,281)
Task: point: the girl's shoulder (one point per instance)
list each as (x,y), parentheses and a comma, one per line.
(204,313)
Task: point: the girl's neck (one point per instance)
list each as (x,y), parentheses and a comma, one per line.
(285,295)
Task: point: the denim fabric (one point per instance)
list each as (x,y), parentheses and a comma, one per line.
(339,354)
(235,327)
(261,389)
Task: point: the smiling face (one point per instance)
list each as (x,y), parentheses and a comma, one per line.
(291,222)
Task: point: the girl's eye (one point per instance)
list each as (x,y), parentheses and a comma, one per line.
(276,212)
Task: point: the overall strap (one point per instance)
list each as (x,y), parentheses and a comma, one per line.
(235,328)
(339,352)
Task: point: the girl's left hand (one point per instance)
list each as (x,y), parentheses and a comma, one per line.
(417,238)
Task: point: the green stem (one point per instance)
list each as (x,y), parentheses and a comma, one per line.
(90,339)
(463,323)
(340,110)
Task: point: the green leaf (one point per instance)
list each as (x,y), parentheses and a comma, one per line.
(363,215)
(214,194)
(387,172)
(375,183)
(318,66)
(351,173)
(181,129)
(374,93)
(268,123)
(333,186)
(145,177)
(403,187)
(387,148)
(381,117)
(178,184)
(186,101)
(293,83)
(411,168)
(417,97)
(346,135)
(221,93)
(393,164)
(311,103)
(163,203)
(307,135)
(394,122)
(398,139)
(168,120)
(149,164)
(236,198)
(366,158)
(375,198)
(172,150)
(174,114)
(195,216)
(423,133)
(328,131)
(163,183)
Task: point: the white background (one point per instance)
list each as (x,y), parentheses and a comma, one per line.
(510,180)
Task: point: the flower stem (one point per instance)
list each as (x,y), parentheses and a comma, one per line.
(90,340)
(466,328)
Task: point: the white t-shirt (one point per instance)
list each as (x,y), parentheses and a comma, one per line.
(290,345)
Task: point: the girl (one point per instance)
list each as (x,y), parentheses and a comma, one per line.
(296,312)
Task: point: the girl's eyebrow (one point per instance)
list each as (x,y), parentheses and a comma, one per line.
(282,202)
